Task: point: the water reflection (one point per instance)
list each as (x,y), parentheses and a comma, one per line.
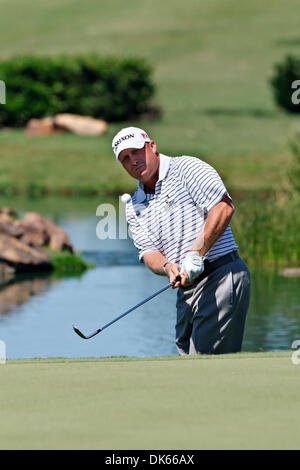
(274,316)
(37,313)
(18,290)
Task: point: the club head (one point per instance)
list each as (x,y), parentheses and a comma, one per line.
(76,329)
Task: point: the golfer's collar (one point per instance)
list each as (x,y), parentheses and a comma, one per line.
(164,164)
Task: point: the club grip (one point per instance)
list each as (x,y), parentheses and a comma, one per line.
(176,280)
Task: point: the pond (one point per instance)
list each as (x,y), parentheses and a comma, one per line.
(37,312)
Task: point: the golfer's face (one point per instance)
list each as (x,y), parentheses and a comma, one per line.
(141,163)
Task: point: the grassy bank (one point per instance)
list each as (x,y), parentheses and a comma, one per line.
(267,230)
(225,402)
(74,165)
(212,65)
(65,263)
(66,165)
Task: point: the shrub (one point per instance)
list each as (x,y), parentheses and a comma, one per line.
(285,74)
(110,88)
(65,262)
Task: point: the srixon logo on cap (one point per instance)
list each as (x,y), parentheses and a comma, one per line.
(145,135)
(125,137)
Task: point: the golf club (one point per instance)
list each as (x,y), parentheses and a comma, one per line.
(75,328)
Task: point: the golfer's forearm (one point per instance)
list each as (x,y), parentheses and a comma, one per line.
(216,223)
(155,262)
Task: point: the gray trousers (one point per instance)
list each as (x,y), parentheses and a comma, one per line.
(211,313)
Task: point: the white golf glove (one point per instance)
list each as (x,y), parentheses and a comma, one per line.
(193,264)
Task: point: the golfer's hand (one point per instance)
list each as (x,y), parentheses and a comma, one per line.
(192,266)
(172,270)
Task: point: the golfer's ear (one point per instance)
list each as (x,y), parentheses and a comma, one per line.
(153,146)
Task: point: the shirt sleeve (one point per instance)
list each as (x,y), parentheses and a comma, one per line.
(202,182)
(141,239)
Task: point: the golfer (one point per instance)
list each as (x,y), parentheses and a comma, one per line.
(179,221)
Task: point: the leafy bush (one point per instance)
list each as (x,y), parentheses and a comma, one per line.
(285,74)
(65,262)
(109,88)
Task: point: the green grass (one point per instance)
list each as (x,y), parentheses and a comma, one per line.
(75,165)
(212,62)
(242,401)
(66,164)
(267,230)
(65,263)
(56,206)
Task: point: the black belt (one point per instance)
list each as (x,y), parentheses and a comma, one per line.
(210,266)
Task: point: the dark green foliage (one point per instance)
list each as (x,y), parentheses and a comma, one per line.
(67,263)
(287,72)
(109,88)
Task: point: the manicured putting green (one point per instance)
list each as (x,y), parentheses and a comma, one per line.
(242,401)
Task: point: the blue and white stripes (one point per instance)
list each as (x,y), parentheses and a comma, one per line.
(170,220)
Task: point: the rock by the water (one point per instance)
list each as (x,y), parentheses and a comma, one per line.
(290,272)
(81,125)
(21,256)
(59,239)
(22,242)
(41,127)
(9,228)
(32,235)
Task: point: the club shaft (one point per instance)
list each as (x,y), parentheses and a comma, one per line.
(138,305)
(171,284)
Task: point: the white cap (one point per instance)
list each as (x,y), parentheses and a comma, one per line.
(129,137)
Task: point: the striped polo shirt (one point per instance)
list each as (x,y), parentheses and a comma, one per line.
(170,220)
